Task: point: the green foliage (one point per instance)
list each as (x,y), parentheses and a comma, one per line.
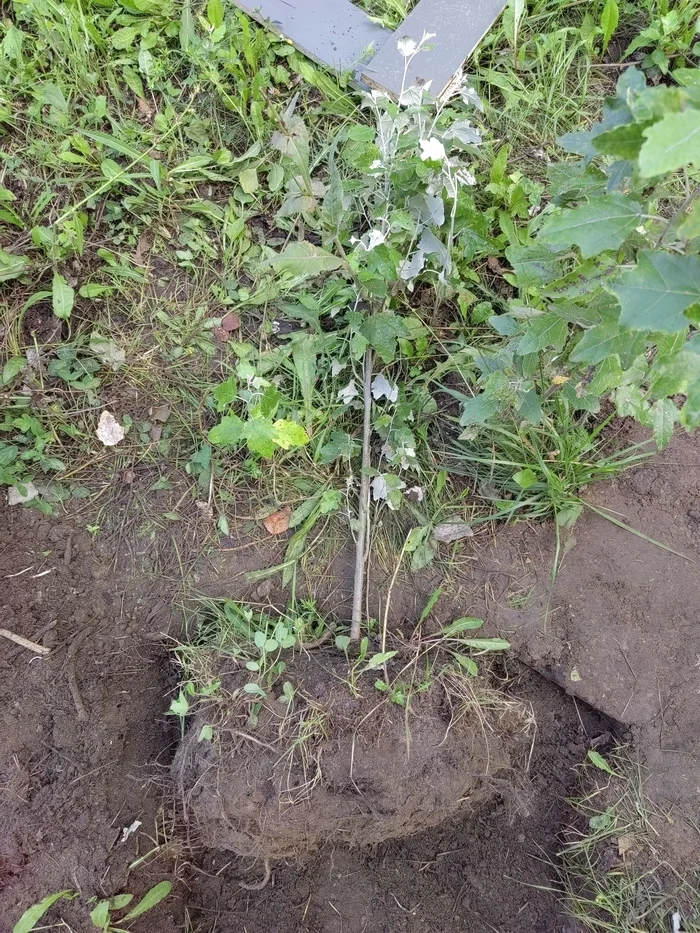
(617,313)
(103,914)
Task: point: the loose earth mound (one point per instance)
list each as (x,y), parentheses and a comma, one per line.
(333,764)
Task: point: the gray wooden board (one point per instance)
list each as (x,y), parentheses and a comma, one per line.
(459,26)
(332,32)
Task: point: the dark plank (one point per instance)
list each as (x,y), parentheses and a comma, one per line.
(459,26)
(334,33)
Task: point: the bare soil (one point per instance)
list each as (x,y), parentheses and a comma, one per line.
(339,766)
(619,631)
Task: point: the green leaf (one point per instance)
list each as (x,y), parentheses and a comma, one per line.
(534,265)
(546,330)
(293,141)
(467,624)
(654,295)
(304,356)
(287,434)
(478,410)
(215,13)
(100,915)
(180,706)
(600,224)
(249,180)
(31,917)
(157,893)
(12,266)
(225,393)
(469,664)
(663,415)
(260,436)
(305,259)
(120,901)
(597,759)
(609,19)
(602,820)
(382,331)
(275,177)
(689,227)
(228,432)
(487,644)
(622,142)
(604,340)
(63,297)
(380,658)
(187,32)
(340,444)
(525,478)
(13,367)
(671,143)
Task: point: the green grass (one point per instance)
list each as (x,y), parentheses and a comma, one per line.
(616,872)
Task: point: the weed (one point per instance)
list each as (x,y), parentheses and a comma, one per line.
(103,915)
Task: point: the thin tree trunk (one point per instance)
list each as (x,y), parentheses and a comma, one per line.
(363,508)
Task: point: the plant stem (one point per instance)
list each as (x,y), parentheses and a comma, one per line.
(363,508)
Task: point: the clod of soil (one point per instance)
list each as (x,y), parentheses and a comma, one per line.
(332,766)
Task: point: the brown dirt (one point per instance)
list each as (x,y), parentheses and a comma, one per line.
(621,619)
(334,766)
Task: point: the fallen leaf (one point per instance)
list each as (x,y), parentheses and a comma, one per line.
(142,247)
(145,108)
(107,351)
(495,266)
(156,432)
(206,510)
(161,413)
(128,477)
(15,497)
(109,431)
(415,494)
(129,831)
(448,532)
(625,842)
(230,322)
(278,522)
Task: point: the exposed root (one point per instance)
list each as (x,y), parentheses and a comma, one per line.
(259,885)
(72,679)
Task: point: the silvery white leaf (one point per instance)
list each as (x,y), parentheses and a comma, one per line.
(428,209)
(463,132)
(407,46)
(371,239)
(675,922)
(415,494)
(379,488)
(469,96)
(430,244)
(412,96)
(15,497)
(409,268)
(337,367)
(348,393)
(109,431)
(382,388)
(447,532)
(432,149)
